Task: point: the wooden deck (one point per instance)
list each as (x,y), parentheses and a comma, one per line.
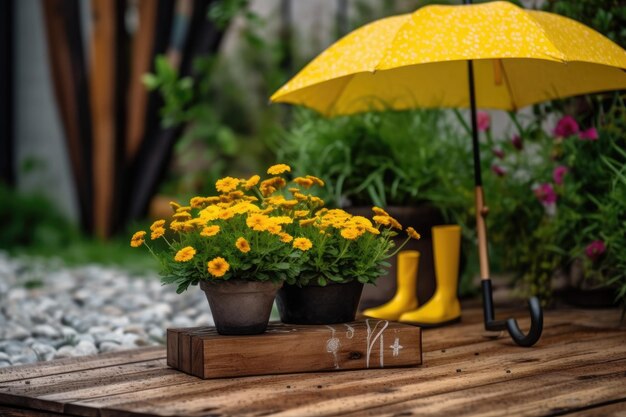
(578,368)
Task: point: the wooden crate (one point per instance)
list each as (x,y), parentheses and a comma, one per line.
(285,348)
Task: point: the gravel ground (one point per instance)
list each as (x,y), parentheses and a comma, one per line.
(49,311)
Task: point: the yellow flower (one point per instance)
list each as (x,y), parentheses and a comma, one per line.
(373,230)
(258,222)
(251,182)
(293,190)
(307,222)
(300,213)
(379,211)
(315,180)
(185,254)
(270,185)
(302,243)
(282,220)
(137,239)
(210,231)
(197,202)
(183,208)
(274,228)
(176,226)
(157,232)
(299,196)
(157,224)
(304,182)
(212,200)
(412,233)
(382,220)
(243,245)
(350,233)
(218,267)
(394,223)
(226,214)
(227,184)
(317,201)
(278,169)
(288,203)
(174,205)
(285,237)
(183,215)
(235,195)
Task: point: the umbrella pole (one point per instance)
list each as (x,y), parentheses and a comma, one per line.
(482,210)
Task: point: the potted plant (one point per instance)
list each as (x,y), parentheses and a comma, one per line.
(410,163)
(235,245)
(348,252)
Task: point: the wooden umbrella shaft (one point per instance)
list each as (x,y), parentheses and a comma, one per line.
(479,196)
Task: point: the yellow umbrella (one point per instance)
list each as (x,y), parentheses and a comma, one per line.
(512,58)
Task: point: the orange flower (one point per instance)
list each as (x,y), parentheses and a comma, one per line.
(157,233)
(278,169)
(243,245)
(302,243)
(251,182)
(185,254)
(137,239)
(412,233)
(218,267)
(210,231)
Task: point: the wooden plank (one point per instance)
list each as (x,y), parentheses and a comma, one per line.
(331,394)
(554,393)
(172,347)
(62,366)
(615,408)
(358,345)
(18,412)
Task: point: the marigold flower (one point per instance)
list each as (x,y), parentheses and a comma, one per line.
(183,208)
(278,169)
(212,200)
(157,224)
(274,229)
(379,211)
(183,215)
(243,245)
(137,239)
(285,237)
(302,243)
(258,222)
(185,254)
(210,231)
(218,267)
(251,182)
(226,214)
(157,232)
(282,220)
(304,182)
(299,196)
(300,213)
(382,220)
(412,233)
(293,190)
(373,230)
(350,233)
(316,180)
(395,224)
(307,222)
(197,202)
(174,205)
(316,201)
(227,184)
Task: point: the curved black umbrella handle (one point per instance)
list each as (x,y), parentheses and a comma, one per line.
(536,325)
(536,319)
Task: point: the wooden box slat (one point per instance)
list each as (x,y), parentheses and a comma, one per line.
(295,348)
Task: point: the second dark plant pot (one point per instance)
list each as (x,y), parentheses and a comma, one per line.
(313,304)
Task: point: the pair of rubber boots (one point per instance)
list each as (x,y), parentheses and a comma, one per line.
(444,307)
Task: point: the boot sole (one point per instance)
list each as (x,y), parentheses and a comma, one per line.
(433,325)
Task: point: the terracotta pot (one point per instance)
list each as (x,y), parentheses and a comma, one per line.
(240,307)
(313,304)
(422,218)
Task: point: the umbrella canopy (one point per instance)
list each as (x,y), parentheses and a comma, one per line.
(520,57)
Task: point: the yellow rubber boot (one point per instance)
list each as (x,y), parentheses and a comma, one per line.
(406,291)
(444,307)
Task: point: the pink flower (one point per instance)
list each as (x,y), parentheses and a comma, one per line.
(565,127)
(483,120)
(595,249)
(499,153)
(559,173)
(545,194)
(498,170)
(517,143)
(589,134)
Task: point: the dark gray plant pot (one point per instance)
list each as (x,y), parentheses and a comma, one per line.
(240,307)
(313,304)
